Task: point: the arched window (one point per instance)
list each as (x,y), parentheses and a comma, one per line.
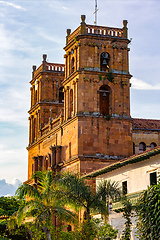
(69,228)
(142,147)
(61,95)
(153,145)
(104,62)
(71,103)
(104,99)
(72,65)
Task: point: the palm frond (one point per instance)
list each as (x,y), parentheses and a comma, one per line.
(27,190)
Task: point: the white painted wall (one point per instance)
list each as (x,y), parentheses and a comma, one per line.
(137,175)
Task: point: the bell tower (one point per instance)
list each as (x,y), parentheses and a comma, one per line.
(96,92)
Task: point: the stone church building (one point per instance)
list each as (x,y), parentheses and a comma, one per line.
(80,112)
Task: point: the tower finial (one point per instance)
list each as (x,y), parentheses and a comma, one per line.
(95,12)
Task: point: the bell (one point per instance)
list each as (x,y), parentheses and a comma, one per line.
(104,94)
(104,62)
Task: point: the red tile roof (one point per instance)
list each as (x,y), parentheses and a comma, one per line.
(146,124)
(129,160)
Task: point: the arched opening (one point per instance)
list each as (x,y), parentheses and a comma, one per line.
(71,103)
(153,145)
(104,61)
(69,228)
(142,147)
(104,99)
(72,65)
(61,95)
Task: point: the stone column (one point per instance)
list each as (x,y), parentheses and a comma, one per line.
(29,130)
(31,89)
(66,65)
(76,96)
(64,90)
(67,103)
(32,128)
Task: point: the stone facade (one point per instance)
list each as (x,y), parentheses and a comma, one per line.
(80,112)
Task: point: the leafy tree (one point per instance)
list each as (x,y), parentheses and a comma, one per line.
(105,231)
(148,212)
(42,204)
(108,190)
(8,205)
(80,195)
(127,214)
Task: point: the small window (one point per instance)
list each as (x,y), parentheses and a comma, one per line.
(104,99)
(153,145)
(61,95)
(153,178)
(69,228)
(104,62)
(142,147)
(124,187)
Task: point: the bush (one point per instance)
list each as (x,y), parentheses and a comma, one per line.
(148,212)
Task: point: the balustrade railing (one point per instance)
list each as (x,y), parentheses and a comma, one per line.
(55,67)
(49,67)
(99,30)
(105,31)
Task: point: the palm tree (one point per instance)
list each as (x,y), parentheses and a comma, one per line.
(42,203)
(81,196)
(108,190)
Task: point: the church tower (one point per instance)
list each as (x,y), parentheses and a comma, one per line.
(91,128)
(97,95)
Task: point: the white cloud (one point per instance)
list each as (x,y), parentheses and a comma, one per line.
(13,5)
(7,189)
(141,85)
(13,162)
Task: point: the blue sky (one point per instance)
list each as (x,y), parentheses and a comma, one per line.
(30,28)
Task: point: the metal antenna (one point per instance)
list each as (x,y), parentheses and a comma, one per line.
(95,12)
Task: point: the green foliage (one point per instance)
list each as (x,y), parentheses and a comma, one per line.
(45,203)
(108,117)
(20,233)
(106,232)
(110,76)
(107,190)
(3,227)
(52,198)
(148,212)
(100,77)
(127,214)
(80,195)
(88,230)
(8,205)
